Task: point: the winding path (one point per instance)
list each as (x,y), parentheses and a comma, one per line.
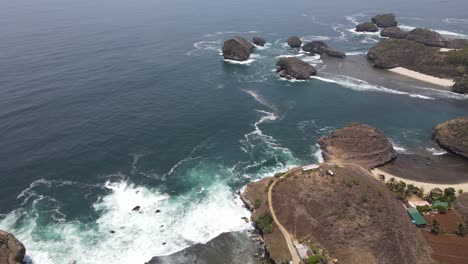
(292,250)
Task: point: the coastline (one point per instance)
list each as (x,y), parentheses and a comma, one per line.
(420,184)
(423,77)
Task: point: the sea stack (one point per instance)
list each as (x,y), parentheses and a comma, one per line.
(427,37)
(237,48)
(259,41)
(12,251)
(393,32)
(294,68)
(294,42)
(357,143)
(385,20)
(452,135)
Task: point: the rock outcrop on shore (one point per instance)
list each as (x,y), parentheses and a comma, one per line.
(237,48)
(393,32)
(320,47)
(385,20)
(367,27)
(12,251)
(427,37)
(357,143)
(294,42)
(231,247)
(461,85)
(294,68)
(452,135)
(259,41)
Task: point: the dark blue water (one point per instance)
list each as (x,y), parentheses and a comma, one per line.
(107,105)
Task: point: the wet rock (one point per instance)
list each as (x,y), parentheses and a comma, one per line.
(335,53)
(393,32)
(367,27)
(136,208)
(259,41)
(158,211)
(237,48)
(318,47)
(12,251)
(452,135)
(385,20)
(427,37)
(294,42)
(112,232)
(294,68)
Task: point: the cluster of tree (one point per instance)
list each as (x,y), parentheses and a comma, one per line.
(402,190)
(435,227)
(447,195)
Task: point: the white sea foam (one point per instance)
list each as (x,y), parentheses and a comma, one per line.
(456,21)
(314,38)
(361,85)
(206,45)
(246,62)
(318,155)
(137,236)
(436,151)
(353,30)
(399,149)
(355,53)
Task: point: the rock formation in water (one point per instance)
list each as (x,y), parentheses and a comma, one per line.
(294,68)
(385,20)
(367,27)
(259,41)
(461,85)
(294,42)
(237,48)
(393,32)
(357,143)
(427,37)
(320,47)
(12,251)
(452,135)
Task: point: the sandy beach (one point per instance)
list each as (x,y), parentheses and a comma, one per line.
(423,77)
(427,186)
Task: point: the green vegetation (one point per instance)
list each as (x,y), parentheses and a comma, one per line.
(257,203)
(458,57)
(399,188)
(279,174)
(356,181)
(265,221)
(315,259)
(441,209)
(423,209)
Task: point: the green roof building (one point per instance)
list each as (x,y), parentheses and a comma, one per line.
(440,203)
(417,218)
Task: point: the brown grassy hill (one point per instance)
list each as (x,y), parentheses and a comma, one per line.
(352,215)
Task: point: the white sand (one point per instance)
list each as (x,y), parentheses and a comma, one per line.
(445,50)
(423,77)
(426,185)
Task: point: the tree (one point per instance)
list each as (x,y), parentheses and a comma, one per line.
(315,259)
(435,227)
(441,209)
(461,229)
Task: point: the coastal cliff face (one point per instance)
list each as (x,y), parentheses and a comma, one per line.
(12,251)
(453,135)
(358,143)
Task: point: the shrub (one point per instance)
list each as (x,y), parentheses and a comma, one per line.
(457,57)
(441,209)
(265,221)
(257,203)
(356,181)
(314,259)
(423,209)
(461,231)
(435,227)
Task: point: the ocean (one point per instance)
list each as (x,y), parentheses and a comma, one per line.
(108,105)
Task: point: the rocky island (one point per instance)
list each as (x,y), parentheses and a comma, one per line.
(237,48)
(452,135)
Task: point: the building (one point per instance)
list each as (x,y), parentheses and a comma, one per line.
(415,204)
(310,167)
(416,217)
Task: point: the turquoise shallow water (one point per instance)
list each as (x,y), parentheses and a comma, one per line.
(108,105)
